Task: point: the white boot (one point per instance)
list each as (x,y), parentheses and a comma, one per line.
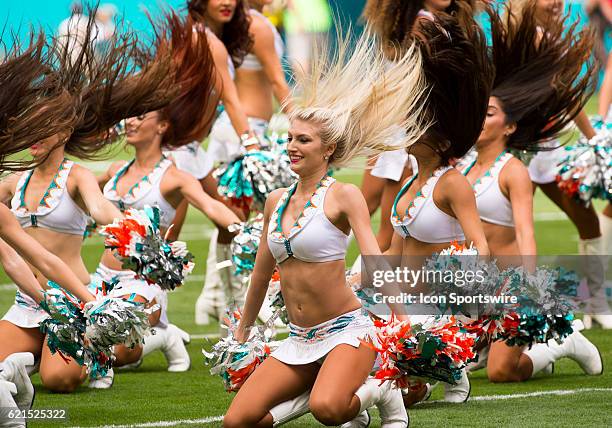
(460,392)
(576,346)
(362,420)
(170,342)
(103,382)
(290,410)
(211,301)
(597,308)
(7,403)
(13,369)
(387,399)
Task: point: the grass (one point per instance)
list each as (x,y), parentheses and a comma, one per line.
(151,394)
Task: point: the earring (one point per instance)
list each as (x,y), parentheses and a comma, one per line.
(326,157)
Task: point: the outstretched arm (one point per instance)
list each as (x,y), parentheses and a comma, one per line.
(98,207)
(192,191)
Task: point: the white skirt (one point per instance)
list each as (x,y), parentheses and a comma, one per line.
(192,159)
(25,312)
(543,166)
(310,344)
(225,144)
(129,284)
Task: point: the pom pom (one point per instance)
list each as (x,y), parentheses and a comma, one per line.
(248,180)
(137,241)
(235,361)
(416,353)
(87,333)
(586,170)
(245,244)
(277,302)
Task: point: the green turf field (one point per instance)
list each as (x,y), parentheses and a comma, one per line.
(152,397)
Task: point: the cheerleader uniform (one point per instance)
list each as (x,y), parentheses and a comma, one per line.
(56,211)
(543,166)
(314,239)
(145,192)
(493,206)
(423,220)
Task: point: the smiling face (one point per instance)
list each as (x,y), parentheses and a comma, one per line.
(495,126)
(145,129)
(220,11)
(306,150)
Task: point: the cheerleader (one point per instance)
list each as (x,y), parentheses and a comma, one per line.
(436,206)
(393,21)
(261,75)
(543,169)
(151,179)
(52,201)
(226,26)
(524,101)
(350,108)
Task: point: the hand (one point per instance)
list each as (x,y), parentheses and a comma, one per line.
(241,334)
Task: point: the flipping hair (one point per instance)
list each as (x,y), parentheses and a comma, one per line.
(359,100)
(32,105)
(89,91)
(192,108)
(393,20)
(459,75)
(537,79)
(235,37)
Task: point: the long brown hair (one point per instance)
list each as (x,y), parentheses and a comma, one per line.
(393,20)
(235,36)
(32,105)
(459,74)
(192,107)
(89,91)
(537,79)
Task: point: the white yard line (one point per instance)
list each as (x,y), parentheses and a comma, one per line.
(212,419)
(527,395)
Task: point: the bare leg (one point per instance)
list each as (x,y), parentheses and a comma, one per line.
(585,219)
(15,339)
(272,383)
(345,369)
(508,363)
(57,375)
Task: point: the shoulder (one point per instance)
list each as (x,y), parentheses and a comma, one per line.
(80,172)
(345,191)
(11,179)
(453,185)
(272,200)
(216,46)
(260,27)
(515,173)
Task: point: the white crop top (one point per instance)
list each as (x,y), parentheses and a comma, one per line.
(493,206)
(423,220)
(313,238)
(144,192)
(250,61)
(56,210)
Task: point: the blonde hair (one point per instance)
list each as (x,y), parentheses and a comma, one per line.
(360,99)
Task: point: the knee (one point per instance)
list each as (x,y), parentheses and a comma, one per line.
(60,382)
(237,420)
(125,355)
(328,411)
(501,376)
